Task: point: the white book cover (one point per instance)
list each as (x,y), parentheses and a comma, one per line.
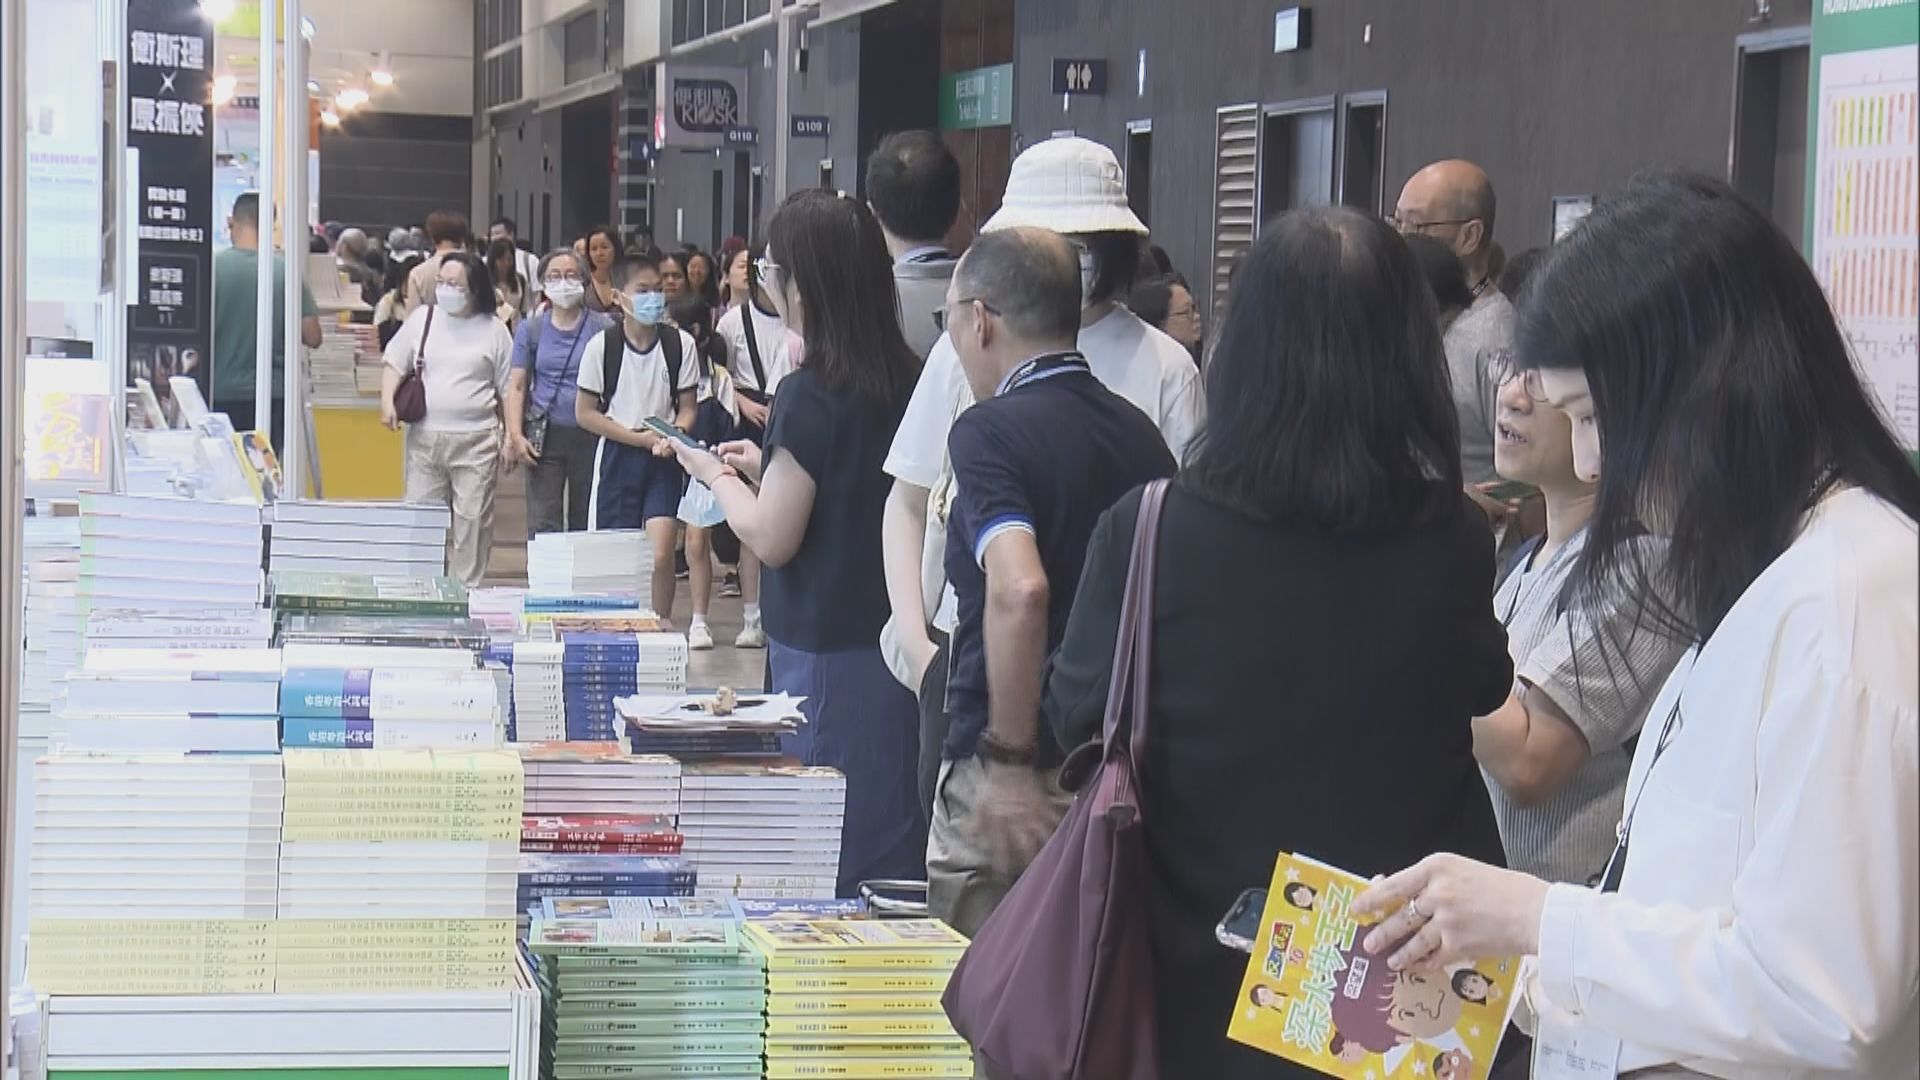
(477,850)
(237,665)
(369,514)
(162,508)
(375,657)
(381,567)
(240,735)
(102,692)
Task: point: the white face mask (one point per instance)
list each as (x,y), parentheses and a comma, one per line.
(451,299)
(566,294)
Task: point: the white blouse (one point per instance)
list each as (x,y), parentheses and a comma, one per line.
(1768,923)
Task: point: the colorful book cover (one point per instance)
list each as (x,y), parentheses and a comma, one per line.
(804,910)
(659,936)
(387,630)
(1313,994)
(856,944)
(947,1068)
(298,590)
(544,869)
(648,907)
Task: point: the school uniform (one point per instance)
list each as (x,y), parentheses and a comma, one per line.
(631,486)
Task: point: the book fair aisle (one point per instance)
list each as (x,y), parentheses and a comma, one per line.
(296,800)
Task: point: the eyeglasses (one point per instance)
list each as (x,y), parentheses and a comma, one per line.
(555,279)
(766,271)
(1405,226)
(940,315)
(1503,369)
(1188,312)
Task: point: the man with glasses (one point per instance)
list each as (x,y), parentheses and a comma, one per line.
(1035,464)
(1452,202)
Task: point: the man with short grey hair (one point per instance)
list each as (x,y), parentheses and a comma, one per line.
(1036,464)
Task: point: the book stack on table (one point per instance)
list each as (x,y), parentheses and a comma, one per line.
(763,831)
(133,700)
(163,554)
(392,539)
(692,727)
(606,562)
(154,874)
(647,988)
(398,870)
(564,690)
(385,631)
(305,591)
(52,626)
(859,999)
(390,708)
(598,780)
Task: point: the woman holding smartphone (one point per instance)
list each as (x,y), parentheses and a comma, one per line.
(815,519)
(1757,918)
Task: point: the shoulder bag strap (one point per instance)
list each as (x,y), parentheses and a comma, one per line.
(753,346)
(420,349)
(1133,646)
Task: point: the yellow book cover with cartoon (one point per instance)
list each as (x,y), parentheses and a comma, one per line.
(1313,994)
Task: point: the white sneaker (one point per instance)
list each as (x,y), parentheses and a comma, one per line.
(751,637)
(699,638)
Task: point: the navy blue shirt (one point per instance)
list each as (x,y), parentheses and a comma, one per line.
(1047,456)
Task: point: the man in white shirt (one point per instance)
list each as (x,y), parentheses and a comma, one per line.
(1075,187)
(637,483)
(525,262)
(447,229)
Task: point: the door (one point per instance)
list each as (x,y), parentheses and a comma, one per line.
(1363,150)
(1768,158)
(1296,157)
(1140,170)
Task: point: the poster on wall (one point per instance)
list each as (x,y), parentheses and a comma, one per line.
(1863,234)
(170,126)
(706,107)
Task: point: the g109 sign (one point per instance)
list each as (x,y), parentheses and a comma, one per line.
(706,106)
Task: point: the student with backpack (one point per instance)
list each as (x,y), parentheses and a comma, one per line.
(634,370)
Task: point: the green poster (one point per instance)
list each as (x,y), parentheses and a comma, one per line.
(980,98)
(1863,183)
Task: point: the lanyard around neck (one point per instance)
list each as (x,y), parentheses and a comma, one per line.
(1044,366)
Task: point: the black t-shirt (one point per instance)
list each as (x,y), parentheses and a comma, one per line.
(833,594)
(1047,456)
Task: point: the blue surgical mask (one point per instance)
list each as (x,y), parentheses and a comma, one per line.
(648,308)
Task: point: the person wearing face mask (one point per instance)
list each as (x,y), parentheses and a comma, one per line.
(1075,187)
(543,431)
(464,355)
(629,372)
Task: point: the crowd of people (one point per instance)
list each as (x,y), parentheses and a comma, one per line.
(1456,546)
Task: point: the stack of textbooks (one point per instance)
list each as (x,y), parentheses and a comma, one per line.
(296,591)
(545,876)
(564,690)
(693,727)
(388,708)
(52,625)
(498,609)
(859,998)
(387,538)
(230,628)
(398,870)
(386,631)
(134,700)
(546,618)
(164,554)
(154,874)
(596,779)
(765,831)
(651,988)
(609,562)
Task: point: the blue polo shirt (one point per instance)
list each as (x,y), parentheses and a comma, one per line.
(1047,455)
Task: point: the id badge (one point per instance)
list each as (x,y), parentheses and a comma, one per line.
(1564,1048)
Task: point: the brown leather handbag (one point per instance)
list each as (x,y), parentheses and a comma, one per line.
(410,396)
(1058,984)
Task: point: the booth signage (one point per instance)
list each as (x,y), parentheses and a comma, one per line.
(170,126)
(1080,77)
(812,127)
(979,98)
(705,108)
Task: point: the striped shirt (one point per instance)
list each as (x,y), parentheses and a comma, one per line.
(1602,671)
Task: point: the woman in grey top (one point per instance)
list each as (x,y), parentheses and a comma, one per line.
(1556,754)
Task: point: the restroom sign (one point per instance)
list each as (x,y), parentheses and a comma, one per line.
(1079,76)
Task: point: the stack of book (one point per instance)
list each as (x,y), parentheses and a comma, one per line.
(230,628)
(646,989)
(398,870)
(390,707)
(297,591)
(610,562)
(546,618)
(154,874)
(597,779)
(386,631)
(859,998)
(387,538)
(136,700)
(52,626)
(704,726)
(564,690)
(546,876)
(765,831)
(163,554)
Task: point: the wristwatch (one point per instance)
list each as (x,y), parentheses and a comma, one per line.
(991,749)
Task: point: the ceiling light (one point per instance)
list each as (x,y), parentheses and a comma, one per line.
(313,87)
(351,98)
(329,118)
(382,77)
(307,28)
(223,88)
(217,10)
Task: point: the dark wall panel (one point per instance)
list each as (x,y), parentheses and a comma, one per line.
(1550,96)
(385,169)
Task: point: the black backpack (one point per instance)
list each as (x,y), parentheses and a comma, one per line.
(613,349)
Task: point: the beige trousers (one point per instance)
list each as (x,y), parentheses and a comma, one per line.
(460,470)
(963,887)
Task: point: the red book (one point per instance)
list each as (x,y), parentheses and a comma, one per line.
(591,847)
(630,830)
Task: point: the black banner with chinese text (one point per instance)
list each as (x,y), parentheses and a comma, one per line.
(170,125)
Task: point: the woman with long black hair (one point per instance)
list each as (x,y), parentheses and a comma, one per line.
(815,519)
(1757,918)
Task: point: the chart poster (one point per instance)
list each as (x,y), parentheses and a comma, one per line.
(1862,222)
(170,126)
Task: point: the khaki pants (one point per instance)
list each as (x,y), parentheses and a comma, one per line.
(963,887)
(458,469)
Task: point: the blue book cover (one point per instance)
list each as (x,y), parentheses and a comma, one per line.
(569,868)
(300,732)
(327,693)
(529,896)
(581,602)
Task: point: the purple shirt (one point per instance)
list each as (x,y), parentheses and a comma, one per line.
(554,355)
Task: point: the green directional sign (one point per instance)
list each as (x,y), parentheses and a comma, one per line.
(980,98)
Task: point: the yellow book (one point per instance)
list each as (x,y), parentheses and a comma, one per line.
(857,1047)
(814,1027)
(794,945)
(858,982)
(813,1005)
(947,1068)
(1313,995)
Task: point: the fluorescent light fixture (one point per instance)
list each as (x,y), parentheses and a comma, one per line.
(223,88)
(217,10)
(382,73)
(329,118)
(351,98)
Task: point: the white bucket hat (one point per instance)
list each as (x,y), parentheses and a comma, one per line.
(1069,185)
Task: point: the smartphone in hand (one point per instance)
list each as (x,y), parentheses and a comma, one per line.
(668,431)
(1241,925)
